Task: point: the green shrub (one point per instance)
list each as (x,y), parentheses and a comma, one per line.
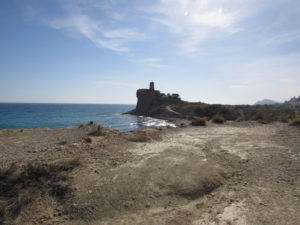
(198,122)
(228,112)
(219,118)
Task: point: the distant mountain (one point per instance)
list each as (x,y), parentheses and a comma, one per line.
(294,102)
(266,102)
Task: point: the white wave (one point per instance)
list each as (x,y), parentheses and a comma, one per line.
(152,122)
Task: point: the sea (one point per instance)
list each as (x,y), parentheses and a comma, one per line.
(35,115)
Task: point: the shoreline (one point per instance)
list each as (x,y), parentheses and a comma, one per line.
(170,120)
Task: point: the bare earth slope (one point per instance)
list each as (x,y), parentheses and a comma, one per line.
(233,174)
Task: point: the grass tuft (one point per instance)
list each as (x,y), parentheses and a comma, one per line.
(219,118)
(19,185)
(295,122)
(143,135)
(198,122)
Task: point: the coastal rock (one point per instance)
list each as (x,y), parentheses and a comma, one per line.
(150,100)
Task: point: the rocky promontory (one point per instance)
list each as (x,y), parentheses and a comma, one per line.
(152,102)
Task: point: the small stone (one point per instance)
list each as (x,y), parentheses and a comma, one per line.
(148,205)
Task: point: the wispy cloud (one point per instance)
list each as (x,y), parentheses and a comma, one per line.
(197,21)
(151,62)
(118,84)
(118,25)
(282,38)
(115,39)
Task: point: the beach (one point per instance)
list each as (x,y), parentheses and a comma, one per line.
(234,173)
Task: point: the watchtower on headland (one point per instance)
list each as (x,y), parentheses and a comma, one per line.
(150,100)
(151,87)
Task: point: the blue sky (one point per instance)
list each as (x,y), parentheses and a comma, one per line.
(89,51)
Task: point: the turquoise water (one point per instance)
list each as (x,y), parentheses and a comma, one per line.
(32,115)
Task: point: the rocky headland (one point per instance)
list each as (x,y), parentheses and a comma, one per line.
(151,102)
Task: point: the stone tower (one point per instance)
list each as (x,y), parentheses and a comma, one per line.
(151,88)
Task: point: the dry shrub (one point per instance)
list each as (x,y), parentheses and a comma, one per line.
(240,119)
(219,118)
(99,131)
(19,185)
(295,122)
(143,135)
(198,122)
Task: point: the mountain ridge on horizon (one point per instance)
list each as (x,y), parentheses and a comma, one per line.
(266,102)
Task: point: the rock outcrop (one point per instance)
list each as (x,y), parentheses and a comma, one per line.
(151,100)
(295,102)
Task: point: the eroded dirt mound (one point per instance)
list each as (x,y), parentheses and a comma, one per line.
(160,182)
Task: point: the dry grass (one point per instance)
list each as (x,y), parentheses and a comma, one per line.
(143,135)
(295,122)
(240,119)
(99,131)
(198,122)
(219,118)
(19,185)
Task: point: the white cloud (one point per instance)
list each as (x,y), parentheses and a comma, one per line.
(79,24)
(152,62)
(196,21)
(117,24)
(118,84)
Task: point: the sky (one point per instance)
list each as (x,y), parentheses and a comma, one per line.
(102,51)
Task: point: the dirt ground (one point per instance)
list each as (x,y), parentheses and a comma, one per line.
(237,173)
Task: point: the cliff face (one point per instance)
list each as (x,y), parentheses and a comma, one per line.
(150,100)
(147,101)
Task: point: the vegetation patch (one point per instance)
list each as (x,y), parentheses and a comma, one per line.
(198,122)
(20,185)
(143,135)
(295,122)
(219,118)
(240,119)
(264,113)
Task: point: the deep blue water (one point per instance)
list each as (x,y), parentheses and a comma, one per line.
(33,115)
